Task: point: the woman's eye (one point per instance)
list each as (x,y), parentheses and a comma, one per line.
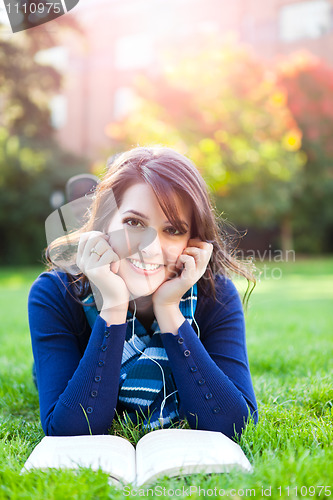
(173,231)
(133,222)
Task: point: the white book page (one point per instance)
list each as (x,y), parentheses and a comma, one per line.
(113,454)
(177,451)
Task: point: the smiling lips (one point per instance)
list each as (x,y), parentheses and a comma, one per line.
(145,268)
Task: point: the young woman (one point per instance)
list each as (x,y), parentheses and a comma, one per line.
(150,326)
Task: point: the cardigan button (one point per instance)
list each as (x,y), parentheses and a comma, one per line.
(180,340)
(101,363)
(104,348)
(208,395)
(98,378)
(93,394)
(187,353)
(193,369)
(201,381)
(216,409)
(89,409)
(107,334)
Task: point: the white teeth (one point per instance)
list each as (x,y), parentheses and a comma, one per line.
(146,267)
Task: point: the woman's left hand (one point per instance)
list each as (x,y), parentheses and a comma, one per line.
(193,262)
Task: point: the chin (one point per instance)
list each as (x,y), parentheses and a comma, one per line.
(142,290)
(141,286)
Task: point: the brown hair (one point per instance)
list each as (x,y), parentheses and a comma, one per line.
(167,173)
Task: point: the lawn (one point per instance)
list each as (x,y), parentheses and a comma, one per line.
(289,331)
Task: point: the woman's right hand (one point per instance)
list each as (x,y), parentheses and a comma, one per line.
(97,260)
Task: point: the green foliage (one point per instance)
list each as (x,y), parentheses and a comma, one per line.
(32,165)
(261,138)
(25,85)
(29,173)
(225,111)
(309,86)
(289,325)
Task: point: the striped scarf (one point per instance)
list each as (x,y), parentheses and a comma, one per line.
(146,387)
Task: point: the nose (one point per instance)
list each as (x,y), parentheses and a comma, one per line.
(150,246)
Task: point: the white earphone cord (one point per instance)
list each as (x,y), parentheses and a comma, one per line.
(154,360)
(192,314)
(163,377)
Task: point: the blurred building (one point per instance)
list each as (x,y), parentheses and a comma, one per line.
(127,36)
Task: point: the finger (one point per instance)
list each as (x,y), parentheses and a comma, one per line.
(100,247)
(193,251)
(200,254)
(111,259)
(204,245)
(189,266)
(80,249)
(114,267)
(96,242)
(84,239)
(200,259)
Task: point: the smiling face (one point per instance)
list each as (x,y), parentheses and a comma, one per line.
(154,243)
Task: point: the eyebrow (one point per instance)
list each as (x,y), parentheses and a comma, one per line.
(143,216)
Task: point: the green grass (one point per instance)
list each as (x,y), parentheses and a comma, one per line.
(289,332)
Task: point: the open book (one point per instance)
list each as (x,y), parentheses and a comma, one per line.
(169,452)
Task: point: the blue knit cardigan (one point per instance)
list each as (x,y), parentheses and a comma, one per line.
(78,368)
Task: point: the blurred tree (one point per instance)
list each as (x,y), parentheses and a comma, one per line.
(25,85)
(32,165)
(229,115)
(28,177)
(308,83)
